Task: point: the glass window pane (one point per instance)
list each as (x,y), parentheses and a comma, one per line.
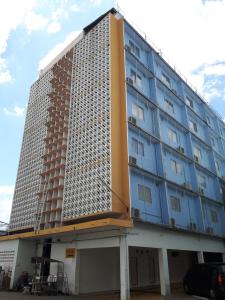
(144,193)
(175,204)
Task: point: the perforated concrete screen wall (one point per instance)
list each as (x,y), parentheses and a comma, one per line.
(89,149)
(30,164)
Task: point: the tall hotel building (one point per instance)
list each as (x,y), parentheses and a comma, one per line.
(122,165)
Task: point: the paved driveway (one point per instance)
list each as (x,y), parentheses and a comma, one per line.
(136,296)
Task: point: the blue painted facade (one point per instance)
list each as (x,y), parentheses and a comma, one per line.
(176,145)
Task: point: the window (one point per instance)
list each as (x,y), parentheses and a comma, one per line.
(213,141)
(136,78)
(218,166)
(144,193)
(138,147)
(166,80)
(134,49)
(193,126)
(190,102)
(172,136)
(197,154)
(201,181)
(138,111)
(175,204)
(169,106)
(208,120)
(176,167)
(214,216)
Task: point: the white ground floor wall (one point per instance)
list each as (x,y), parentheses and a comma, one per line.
(116,259)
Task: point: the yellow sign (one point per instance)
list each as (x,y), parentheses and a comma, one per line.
(70,252)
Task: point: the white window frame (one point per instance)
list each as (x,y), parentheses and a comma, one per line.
(134,48)
(208,120)
(137,111)
(193,126)
(173,137)
(176,167)
(175,204)
(198,153)
(144,193)
(202,181)
(169,106)
(189,102)
(213,141)
(137,79)
(138,147)
(218,166)
(166,80)
(214,215)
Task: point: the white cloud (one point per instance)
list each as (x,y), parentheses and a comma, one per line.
(57,49)
(16,112)
(189,32)
(34,22)
(5,208)
(5,75)
(75,7)
(6,195)
(212,93)
(53,27)
(215,69)
(96,2)
(24,13)
(6,190)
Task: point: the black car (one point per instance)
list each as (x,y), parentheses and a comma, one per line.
(206,279)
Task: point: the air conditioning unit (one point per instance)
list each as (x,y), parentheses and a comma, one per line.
(135,213)
(196,158)
(130,81)
(172,222)
(132,160)
(201,191)
(181,149)
(193,226)
(132,120)
(209,230)
(127,47)
(187,185)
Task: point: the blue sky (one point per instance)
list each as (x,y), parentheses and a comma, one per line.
(189,32)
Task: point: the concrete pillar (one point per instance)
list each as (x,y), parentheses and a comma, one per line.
(200,256)
(77,273)
(124,269)
(164,272)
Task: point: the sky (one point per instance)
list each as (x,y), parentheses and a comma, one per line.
(189,33)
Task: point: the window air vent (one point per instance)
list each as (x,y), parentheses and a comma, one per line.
(201,191)
(130,81)
(172,222)
(132,120)
(193,226)
(135,213)
(181,149)
(132,160)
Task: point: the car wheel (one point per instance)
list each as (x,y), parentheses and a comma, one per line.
(212,294)
(186,288)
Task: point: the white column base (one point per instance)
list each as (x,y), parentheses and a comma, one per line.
(124,270)
(164,272)
(200,255)
(77,275)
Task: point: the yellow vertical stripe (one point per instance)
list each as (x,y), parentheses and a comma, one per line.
(120,179)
